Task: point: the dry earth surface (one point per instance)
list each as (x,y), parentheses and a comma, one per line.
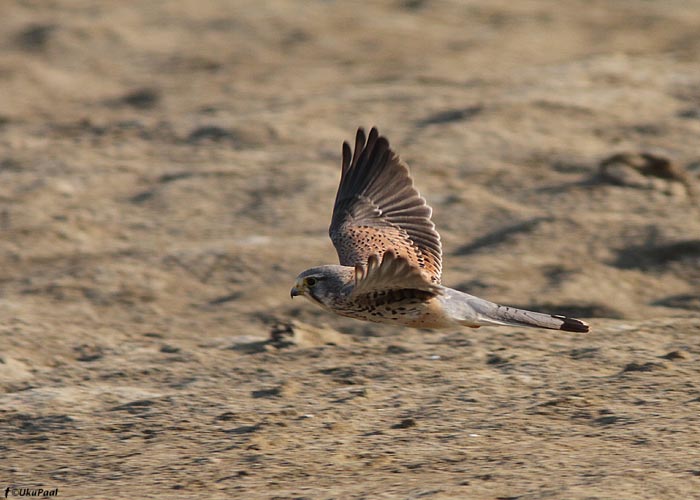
(168,167)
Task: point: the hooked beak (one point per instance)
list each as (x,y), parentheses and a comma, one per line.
(297,289)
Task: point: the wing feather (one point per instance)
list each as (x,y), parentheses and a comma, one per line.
(390,273)
(377,209)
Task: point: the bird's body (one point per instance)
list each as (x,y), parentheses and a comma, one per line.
(391,257)
(423,309)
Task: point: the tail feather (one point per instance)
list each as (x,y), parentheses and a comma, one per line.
(572,324)
(494,314)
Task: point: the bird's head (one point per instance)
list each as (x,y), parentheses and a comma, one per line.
(323,284)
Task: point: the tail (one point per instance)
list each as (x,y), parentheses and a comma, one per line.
(489,313)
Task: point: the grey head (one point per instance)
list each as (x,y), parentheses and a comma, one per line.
(324,284)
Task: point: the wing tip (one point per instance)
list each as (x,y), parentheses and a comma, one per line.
(360,137)
(347,157)
(373,132)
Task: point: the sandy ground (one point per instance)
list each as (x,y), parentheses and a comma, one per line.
(167,168)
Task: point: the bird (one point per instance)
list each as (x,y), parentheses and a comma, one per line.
(390,254)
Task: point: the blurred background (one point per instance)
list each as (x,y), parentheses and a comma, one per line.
(168,167)
(161,156)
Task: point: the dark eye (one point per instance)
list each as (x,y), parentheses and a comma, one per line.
(310,281)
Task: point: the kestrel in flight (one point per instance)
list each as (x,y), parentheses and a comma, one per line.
(391,257)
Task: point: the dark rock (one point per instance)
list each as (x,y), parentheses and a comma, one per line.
(144,98)
(496,360)
(646,171)
(135,407)
(396,349)
(267,393)
(35,37)
(673,355)
(644,367)
(244,429)
(607,420)
(404,424)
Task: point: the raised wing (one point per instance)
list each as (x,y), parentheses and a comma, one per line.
(377,209)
